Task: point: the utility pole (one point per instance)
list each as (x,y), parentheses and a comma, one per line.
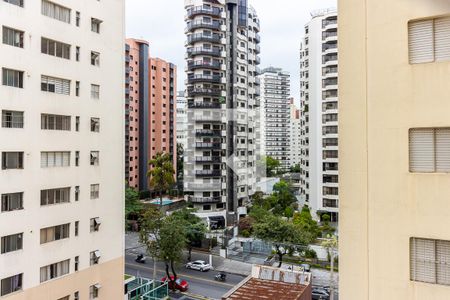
(331,244)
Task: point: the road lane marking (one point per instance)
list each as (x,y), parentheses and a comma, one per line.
(180,273)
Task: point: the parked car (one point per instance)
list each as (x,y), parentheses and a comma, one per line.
(320,294)
(306,267)
(199,265)
(180,284)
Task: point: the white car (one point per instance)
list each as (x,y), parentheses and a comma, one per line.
(198,265)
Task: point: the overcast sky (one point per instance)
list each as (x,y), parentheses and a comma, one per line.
(161,22)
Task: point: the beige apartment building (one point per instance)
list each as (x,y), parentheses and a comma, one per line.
(62,149)
(394,149)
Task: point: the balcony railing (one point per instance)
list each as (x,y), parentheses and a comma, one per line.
(204,78)
(258,49)
(200,10)
(194,199)
(208,173)
(201,37)
(208,159)
(201,64)
(215,25)
(204,92)
(204,105)
(208,132)
(203,51)
(200,145)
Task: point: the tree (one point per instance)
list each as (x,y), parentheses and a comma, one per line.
(280,233)
(282,198)
(172,241)
(331,244)
(132,204)
(161,173)
(271,165)
(246,226)
(149,234)
(180,167)
(295,168)
(306,223)
(195,228)
(326,228)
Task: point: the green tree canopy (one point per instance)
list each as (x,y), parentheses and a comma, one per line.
(132,204)
(271,165)
(161,173)
(306,223)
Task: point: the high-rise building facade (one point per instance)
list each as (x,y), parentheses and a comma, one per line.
(275,114)
(319,114)
(294,134)
(394,149)
(150,111)
(181,119)
(222,95)
(62,149)
(136,112)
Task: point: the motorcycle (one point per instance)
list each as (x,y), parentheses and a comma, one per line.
(220,277)
(140,259)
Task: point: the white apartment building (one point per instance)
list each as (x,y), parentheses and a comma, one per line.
(294,134)
(181,119)
(222,95)
(62,149)
(275,114)
(319,113)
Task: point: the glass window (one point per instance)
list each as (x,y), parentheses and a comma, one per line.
(12,37)
(12,119)
(11,284)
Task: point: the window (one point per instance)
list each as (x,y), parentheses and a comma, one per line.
(429,150)
(55,233)
(55,11)
(77,88)
(12,119)
(55,48)
(95,257)
(77,123)
(77,227)
(95,25)
(77,263)
(430,261)
(94,158)
(77,158)
(55,196)
(95,58)
(77,18)
(95,190)
(207,207)
(12,160)
(55,122)
(95,224)
(55,159)
(429,40)
(12,201)
(77,193)
(77,53)
(95,124)
(12,37)
(11,284)
(11,243)
(55,270)
(95,91)
(55,85)
(94,291)
(76,296)
(12,78)
(15,2)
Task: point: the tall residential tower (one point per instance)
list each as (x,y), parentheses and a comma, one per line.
(319,114)
(222,94)
(62,149)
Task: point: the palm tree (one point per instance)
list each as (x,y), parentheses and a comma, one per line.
(161,174)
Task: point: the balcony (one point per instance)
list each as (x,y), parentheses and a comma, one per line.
(258,49)
(201,64)
(194,199)
(204,78)
(257,38)
(200,145)
(204,105)
(204,92)
(215,185)
(208,159)
(258,60)
(200,10)
(203,51)
(215,25)
(208,173)
(208,132)
(201,37)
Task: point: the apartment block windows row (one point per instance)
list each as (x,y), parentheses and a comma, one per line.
(11,202)
(11,284)
(429,150)
(55,122)
(55,233)
(56,11)
(12,37)
(430,261)
(55,270)
(429,40)
(55,48)
(12,119)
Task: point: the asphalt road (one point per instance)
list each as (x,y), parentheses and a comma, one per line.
(200,283)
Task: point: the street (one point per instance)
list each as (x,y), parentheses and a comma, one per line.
(200,283)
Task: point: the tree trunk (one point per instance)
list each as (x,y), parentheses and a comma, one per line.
(173,270)
(280,256)
(154,271)
(160,200)
(168,276)
(189,253)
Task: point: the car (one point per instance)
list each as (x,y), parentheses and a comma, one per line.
(306,267)
(180,284)
(199,265)
(320,294)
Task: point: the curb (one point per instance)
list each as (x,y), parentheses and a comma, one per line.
(195,296)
